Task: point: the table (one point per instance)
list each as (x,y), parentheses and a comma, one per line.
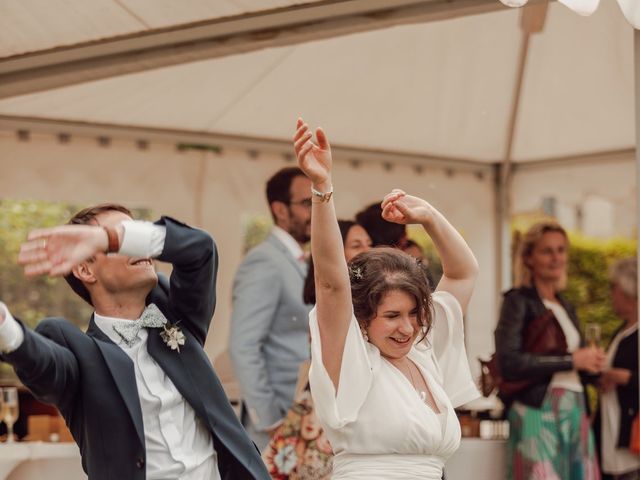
(61,461)
(29,460)
(479,459)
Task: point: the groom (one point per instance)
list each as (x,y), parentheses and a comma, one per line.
(137,390)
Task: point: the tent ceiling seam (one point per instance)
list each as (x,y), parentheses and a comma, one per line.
(127,54)
(276,63)
(15,123)
(271,145)
(132,14)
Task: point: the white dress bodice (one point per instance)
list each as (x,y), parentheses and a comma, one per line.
(378,425)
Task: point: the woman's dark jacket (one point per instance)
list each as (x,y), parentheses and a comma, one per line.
(519,307)
(627,358)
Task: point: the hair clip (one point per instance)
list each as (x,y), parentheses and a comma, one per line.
(355,273)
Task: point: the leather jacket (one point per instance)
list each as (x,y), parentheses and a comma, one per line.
(519,307)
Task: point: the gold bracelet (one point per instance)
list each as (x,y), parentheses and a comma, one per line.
(319,197)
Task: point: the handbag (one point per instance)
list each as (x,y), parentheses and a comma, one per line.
(299,448)
(634,442)
(543,336)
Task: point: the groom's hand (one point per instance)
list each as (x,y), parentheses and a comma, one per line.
(55,251)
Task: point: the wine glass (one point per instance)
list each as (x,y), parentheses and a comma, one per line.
(9,410)
(592,334)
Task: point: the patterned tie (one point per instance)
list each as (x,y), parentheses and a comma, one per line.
(128,330)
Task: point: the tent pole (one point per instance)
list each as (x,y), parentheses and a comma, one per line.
(502,181)
(636,51)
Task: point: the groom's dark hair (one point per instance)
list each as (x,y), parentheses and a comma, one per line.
(279,186)
(87,216)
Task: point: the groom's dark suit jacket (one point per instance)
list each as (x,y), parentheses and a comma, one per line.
(92,381)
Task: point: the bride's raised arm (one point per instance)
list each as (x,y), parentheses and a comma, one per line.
(333,290)
(459,265)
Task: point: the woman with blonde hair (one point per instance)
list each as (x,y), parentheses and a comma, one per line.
(539,347)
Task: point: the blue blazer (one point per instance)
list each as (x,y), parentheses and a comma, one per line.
(269,336)
(92,381)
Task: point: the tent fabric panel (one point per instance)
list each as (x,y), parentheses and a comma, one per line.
(166,13)
(29,26)
(415,88)
(573,186)
(578,83)
(187,97)
(360,86)
(33,25)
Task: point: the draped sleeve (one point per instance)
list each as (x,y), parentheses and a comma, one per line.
(359,362)
(444,350)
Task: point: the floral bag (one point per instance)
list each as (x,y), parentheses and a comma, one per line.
(299,449)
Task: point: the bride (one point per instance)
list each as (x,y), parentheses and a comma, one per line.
(388,359)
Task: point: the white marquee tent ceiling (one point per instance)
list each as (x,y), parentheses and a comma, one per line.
(442,81)
(458,82)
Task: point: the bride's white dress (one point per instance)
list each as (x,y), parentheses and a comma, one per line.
(378,425)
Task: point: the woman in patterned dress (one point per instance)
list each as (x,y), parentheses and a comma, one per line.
(550,435)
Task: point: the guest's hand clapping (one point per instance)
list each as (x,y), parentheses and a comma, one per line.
(398,207)
(313,158)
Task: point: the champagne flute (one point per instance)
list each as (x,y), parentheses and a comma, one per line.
(10,410)
(592,334)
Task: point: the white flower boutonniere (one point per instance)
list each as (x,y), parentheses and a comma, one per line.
(173,337)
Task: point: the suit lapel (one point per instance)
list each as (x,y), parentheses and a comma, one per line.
(121,368)
(287,254)
(176,366)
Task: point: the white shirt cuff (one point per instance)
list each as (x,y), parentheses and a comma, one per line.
(142,239)
(11,334)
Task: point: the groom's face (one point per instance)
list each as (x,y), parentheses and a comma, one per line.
(119,273)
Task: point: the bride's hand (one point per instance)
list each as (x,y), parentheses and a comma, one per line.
(314,158)
(398,207)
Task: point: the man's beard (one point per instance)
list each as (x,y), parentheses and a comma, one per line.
(299,232)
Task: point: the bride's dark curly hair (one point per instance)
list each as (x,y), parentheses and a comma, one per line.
(381,270)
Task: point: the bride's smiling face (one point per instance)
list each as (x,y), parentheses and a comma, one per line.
(395,326)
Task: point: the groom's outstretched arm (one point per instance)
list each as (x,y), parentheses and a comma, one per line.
(48,368)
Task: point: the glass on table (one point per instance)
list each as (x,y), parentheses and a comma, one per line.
(9,409)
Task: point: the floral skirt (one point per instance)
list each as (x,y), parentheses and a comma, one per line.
(553,442)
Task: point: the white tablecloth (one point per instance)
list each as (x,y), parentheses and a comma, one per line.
(35,460)
(478,459)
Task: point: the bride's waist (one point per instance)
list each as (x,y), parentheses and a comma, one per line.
(388,466)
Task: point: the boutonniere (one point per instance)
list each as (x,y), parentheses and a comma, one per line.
(173,337)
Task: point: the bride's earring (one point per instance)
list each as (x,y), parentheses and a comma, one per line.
(364,333)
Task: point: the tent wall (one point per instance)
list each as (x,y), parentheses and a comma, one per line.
(582,192)
(216,192)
